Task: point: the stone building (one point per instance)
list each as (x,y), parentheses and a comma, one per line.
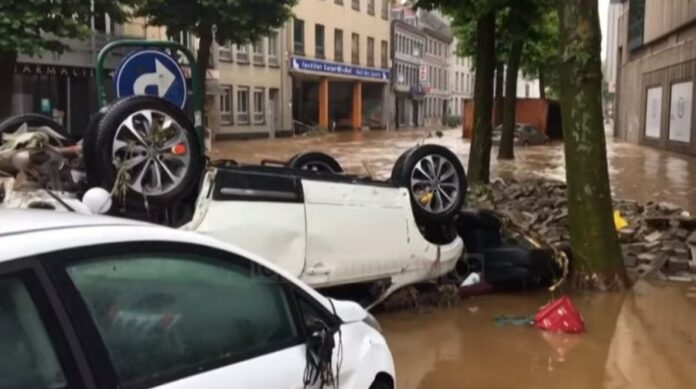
(655,74)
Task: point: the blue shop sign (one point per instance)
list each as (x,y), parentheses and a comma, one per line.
(338,69)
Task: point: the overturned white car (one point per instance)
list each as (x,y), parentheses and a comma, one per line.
(327,228)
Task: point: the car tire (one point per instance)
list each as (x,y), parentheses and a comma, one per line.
(89,145)
(316,162)
(381,384)
(164,169)
(437,192)
(396,170)
(13,123)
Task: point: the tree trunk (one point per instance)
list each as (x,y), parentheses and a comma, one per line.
(597,262)
(480,153)
(8,60)
(542,85)
(507,138)
(203,59)
(499,85)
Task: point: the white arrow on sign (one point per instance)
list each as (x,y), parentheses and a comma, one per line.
(162,78)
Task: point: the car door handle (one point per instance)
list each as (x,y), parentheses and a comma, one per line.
(319,270)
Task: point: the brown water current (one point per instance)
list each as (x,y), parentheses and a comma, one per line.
(637,173)
(641,339)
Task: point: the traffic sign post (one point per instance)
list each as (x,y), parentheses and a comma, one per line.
(153,74)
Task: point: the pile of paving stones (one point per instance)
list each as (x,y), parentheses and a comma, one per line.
(659,240)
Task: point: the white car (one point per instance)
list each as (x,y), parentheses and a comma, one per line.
(327,228)
(97,302)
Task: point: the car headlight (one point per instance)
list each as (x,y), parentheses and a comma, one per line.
(372,322)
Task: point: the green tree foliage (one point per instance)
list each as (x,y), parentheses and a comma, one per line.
(541,57)
(238,21)
(34,26)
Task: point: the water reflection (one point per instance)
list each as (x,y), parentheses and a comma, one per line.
(643,339)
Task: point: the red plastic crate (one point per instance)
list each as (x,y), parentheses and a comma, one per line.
(559,316)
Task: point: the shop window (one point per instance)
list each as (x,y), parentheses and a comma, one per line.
(225,52)
(273,49)
(259,104)
(298,33)
(385,9)
(370,51)
(338,45)
(258,52)
(319,41)
(243,105)
(355,49)
(243,53)
(355,4)
(225,105)
(385,54)
(371,7)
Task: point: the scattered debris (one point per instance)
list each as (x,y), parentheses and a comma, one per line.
(472,279)
(504,320)
(657,239)
(559,316)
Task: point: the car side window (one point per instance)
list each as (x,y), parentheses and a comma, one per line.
(160,315)
(27,356)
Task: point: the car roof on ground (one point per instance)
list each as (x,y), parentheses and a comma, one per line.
(25,221)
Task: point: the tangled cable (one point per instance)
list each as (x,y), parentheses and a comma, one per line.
(319,355)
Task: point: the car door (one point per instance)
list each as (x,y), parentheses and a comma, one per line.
(355,231)
(34,350)
(183,316)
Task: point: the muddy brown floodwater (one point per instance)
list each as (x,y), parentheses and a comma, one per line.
(641,339)
(637,173)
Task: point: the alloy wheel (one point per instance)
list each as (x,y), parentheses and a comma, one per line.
(155,151)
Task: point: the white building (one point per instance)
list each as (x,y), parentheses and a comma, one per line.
(611,60)
(461,80)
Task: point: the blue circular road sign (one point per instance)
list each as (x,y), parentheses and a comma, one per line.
(153,73)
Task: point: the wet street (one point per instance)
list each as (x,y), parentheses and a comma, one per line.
(641,339)
(637,173)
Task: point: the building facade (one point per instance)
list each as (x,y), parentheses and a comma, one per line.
(254,90)
(461,82)
(63,86)
(655,74)
(611,54)
(339,63)
(438,40)
(408,44)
